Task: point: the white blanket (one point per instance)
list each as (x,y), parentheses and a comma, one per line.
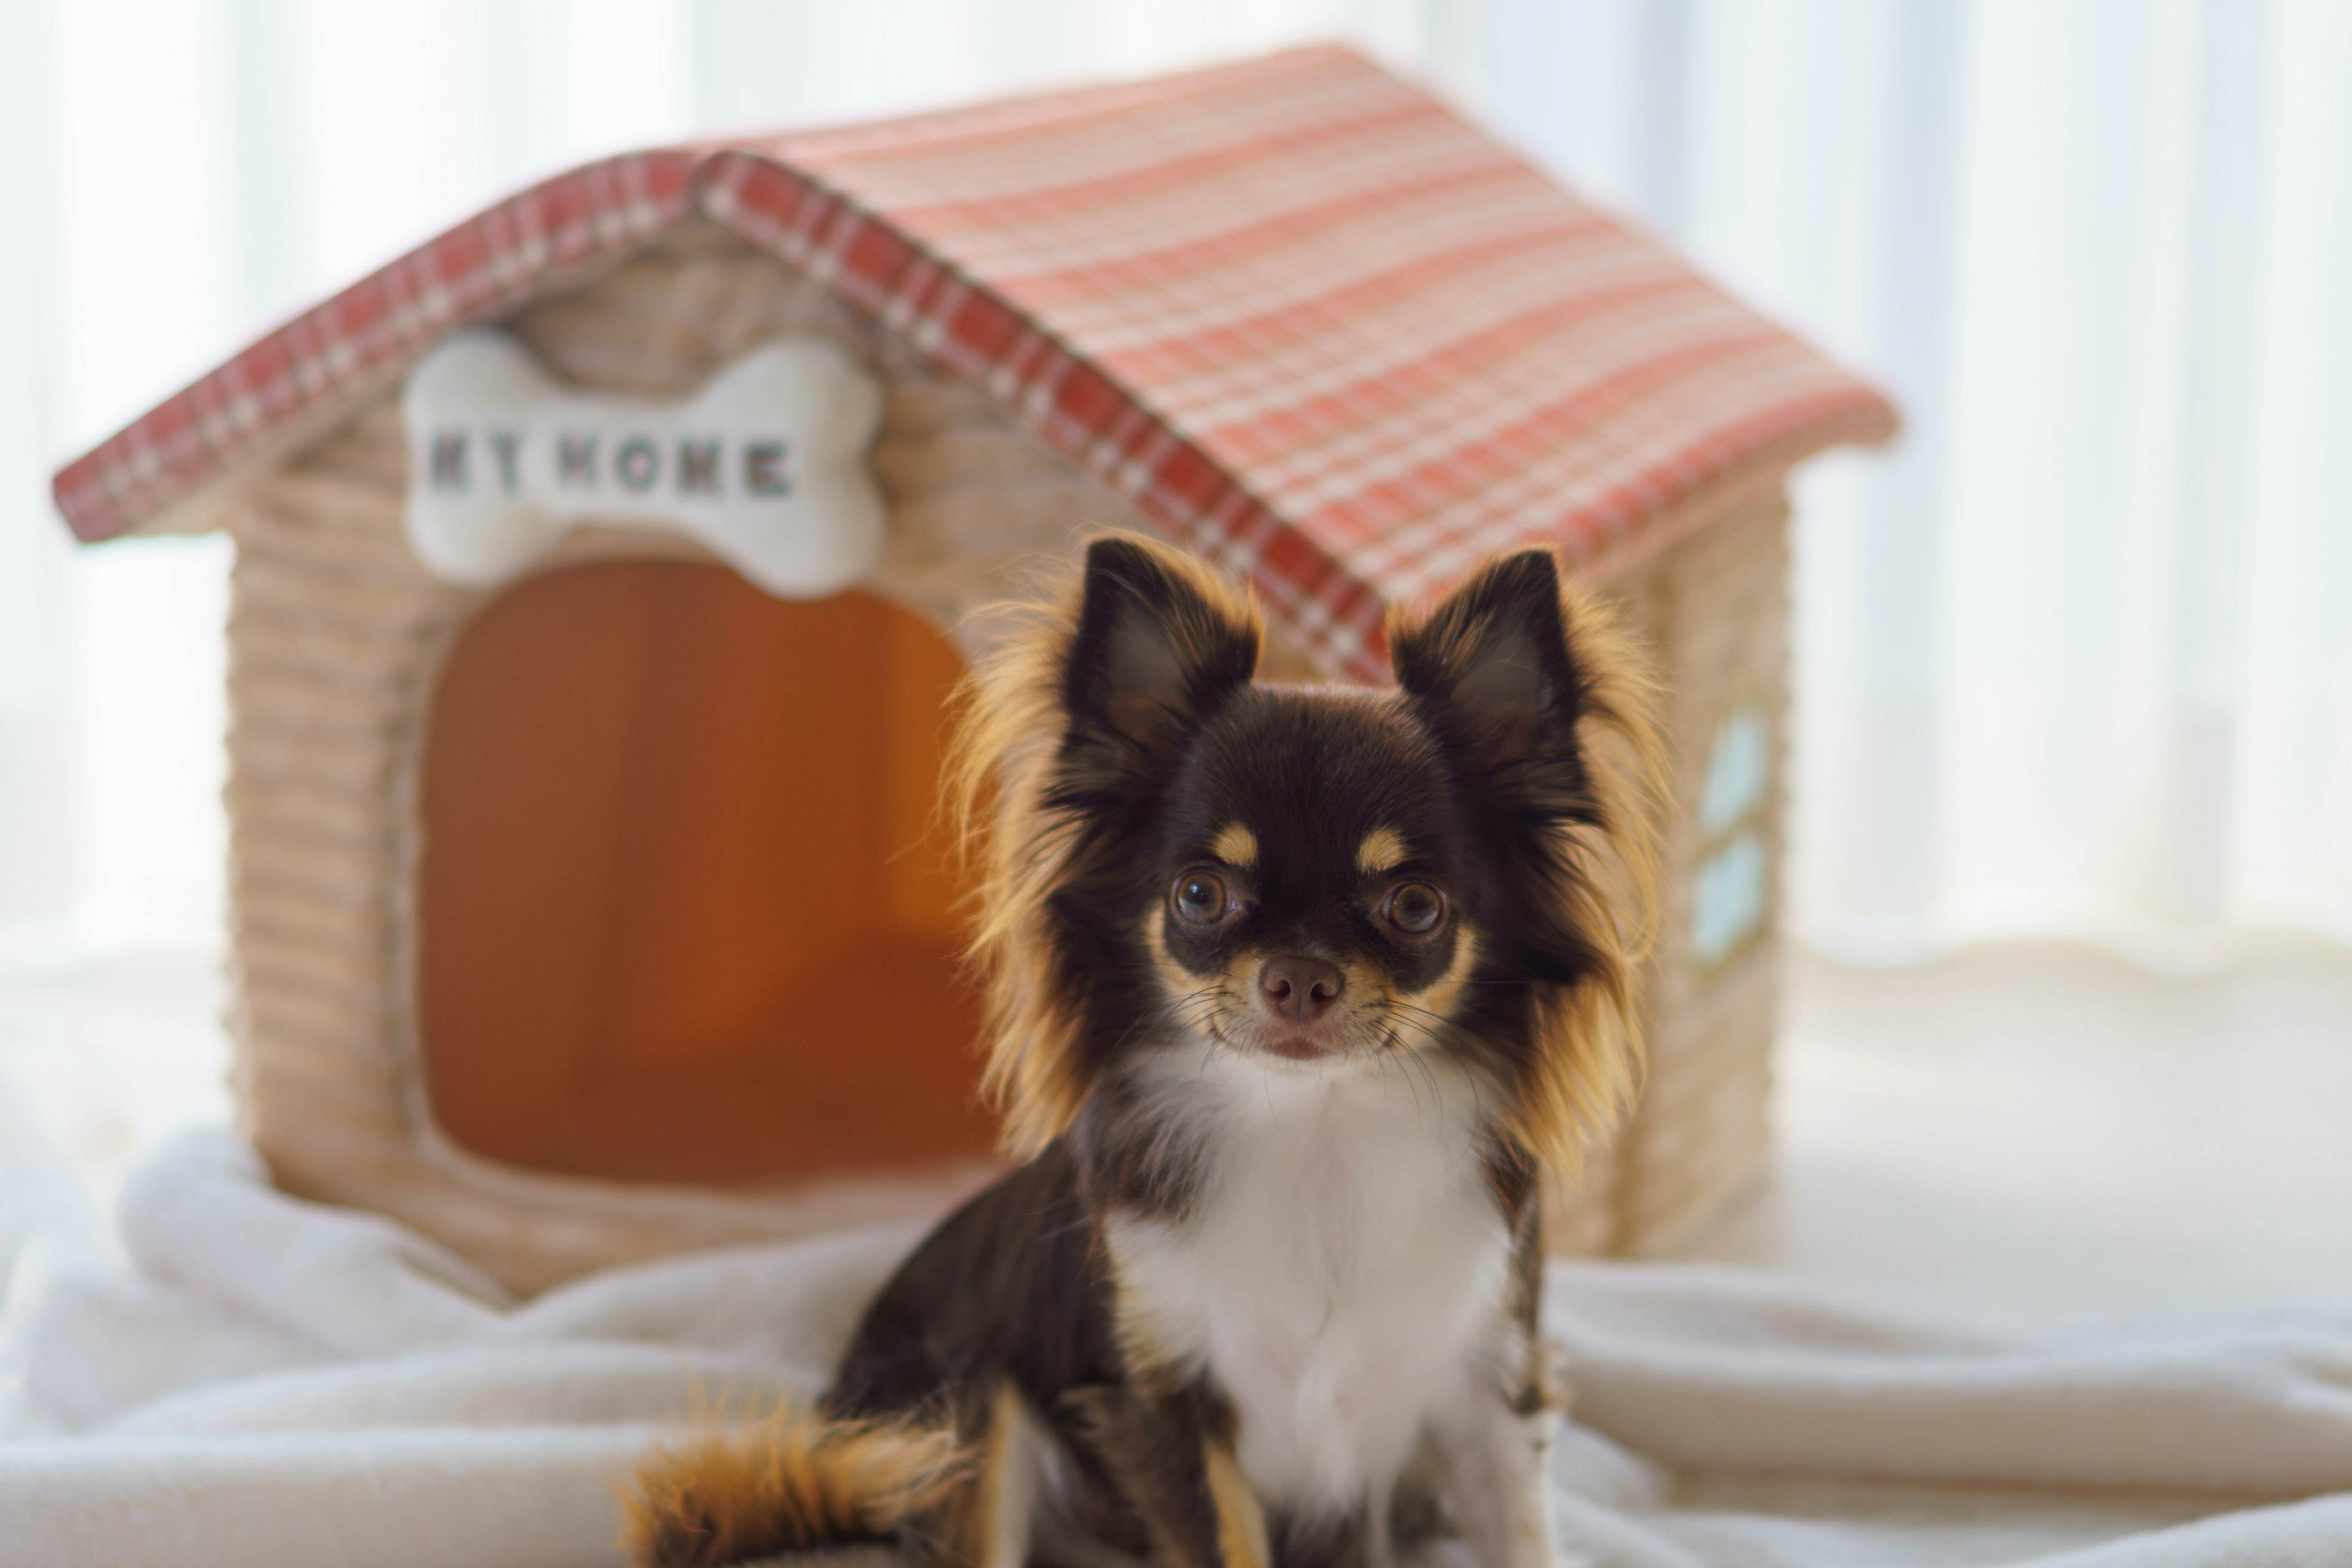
(232,1377)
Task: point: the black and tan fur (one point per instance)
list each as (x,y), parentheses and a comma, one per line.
(1399,919)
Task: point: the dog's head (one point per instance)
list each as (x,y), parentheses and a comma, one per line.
(1317,878)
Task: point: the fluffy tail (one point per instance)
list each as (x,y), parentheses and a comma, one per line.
(788,1483)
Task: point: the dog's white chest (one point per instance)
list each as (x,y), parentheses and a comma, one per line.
(1342,1274)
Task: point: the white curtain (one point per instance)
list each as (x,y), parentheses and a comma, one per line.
(2073,660)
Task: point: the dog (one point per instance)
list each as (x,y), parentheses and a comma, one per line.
(1295,994)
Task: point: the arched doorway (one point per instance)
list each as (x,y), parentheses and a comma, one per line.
(682,914)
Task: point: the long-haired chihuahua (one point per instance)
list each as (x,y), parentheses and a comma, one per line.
(1295,993)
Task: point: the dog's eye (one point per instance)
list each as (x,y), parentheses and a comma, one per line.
(1415,907)
(1200,899)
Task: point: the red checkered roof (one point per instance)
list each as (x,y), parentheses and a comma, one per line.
(1303,317)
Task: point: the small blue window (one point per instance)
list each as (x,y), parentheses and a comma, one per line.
(1731,883)
(1727,900)
(1739,770)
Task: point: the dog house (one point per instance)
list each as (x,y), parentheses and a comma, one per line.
(602,567)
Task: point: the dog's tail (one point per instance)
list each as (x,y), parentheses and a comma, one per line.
(790,1482)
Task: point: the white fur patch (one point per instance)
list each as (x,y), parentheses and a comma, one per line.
(1344,1272)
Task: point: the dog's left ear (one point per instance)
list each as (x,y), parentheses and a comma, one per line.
(1492,670)
(1159,644)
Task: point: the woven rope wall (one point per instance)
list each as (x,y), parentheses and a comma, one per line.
(1715,610)
(336,634)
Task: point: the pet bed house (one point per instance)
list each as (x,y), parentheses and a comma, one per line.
(603,566)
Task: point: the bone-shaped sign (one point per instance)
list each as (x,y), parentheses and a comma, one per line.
(766,466)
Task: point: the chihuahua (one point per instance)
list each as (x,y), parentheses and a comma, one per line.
(1295,995)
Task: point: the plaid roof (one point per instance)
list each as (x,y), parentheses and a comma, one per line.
(1303,317)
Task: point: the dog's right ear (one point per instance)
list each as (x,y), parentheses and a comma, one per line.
(1159,646)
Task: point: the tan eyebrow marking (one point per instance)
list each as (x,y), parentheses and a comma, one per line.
(1381,851)
(1235,845)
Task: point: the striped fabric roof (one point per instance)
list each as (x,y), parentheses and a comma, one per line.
(1302,316)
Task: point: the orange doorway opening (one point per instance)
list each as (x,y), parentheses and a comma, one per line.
(682,912)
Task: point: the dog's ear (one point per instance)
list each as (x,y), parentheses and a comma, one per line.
(1491,670)
(1159,646)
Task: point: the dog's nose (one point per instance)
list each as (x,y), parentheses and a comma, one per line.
(1298,988)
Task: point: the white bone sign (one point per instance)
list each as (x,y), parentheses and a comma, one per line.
(766,466)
